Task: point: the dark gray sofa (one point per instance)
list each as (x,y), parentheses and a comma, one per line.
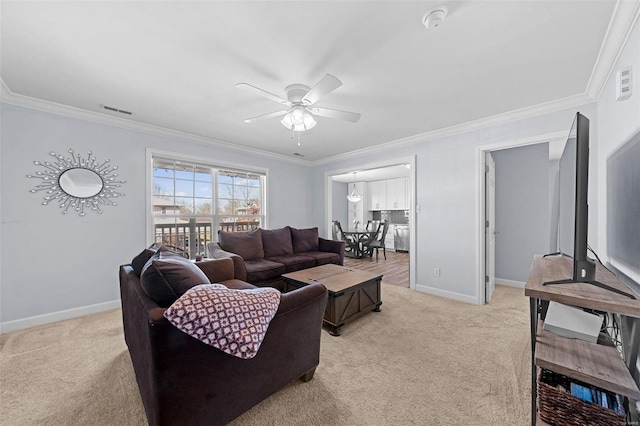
(184,381)
(261,256)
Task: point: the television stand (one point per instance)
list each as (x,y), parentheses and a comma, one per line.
(592,282)
(598,365)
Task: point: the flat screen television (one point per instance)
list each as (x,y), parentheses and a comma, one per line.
(573,213)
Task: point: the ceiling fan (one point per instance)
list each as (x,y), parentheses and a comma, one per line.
(300,114)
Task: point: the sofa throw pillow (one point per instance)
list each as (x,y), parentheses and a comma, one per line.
(304,239)
(277,242)
(247,245)
(140,260)
(167,276)
(234,321)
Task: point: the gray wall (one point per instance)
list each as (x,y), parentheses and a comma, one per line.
(447,182)
(77,258)
(617,121)
(522,209)
(53,262)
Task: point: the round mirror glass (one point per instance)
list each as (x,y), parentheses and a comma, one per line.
(81,183)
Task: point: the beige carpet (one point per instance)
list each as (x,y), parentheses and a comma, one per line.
(423,360)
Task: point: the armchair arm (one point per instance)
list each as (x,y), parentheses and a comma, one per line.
(332,246)
(216,252)
(217,270)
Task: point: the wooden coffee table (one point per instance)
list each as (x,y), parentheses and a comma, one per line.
(352,293)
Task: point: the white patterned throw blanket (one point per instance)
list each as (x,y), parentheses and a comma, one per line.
(234,321)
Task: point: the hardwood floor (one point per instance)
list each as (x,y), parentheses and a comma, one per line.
(394,270)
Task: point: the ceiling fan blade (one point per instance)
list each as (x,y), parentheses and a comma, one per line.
(326,85)
(334,113)
(264,93)
(270,115)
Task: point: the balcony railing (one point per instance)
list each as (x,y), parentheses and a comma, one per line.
(192,237)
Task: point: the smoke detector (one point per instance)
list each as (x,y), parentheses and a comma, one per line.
(435,18)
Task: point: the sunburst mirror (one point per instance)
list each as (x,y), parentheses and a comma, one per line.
(78,183)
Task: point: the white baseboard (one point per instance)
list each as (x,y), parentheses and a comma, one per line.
(447,294)
(23,323)
(510,283)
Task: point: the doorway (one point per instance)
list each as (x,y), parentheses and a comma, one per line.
(330,199)
(486,230)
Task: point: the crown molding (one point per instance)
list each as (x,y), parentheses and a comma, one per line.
(519,114)
(624,17)
(11,98)
(8,97)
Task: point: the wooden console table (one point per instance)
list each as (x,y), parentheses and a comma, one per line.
(596,364)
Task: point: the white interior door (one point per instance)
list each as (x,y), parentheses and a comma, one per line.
(490,227)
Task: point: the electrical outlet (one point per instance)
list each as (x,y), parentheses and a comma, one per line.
(436,272)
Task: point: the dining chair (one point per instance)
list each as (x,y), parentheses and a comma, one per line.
(334,230)
(377,242)
(373,225)
(337,234)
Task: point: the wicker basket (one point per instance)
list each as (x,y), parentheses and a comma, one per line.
(560,408)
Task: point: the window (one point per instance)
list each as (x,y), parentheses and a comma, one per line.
(191,202)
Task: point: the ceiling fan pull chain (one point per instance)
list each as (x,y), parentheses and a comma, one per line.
(298,138)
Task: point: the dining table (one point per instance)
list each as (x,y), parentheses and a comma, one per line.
(357,240)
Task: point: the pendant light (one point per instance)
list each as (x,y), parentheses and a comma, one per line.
(354,197)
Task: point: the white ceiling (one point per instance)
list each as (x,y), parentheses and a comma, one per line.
(175,64)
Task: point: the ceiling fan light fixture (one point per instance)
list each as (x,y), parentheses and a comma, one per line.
(300,99)
(297,115)
(298,120)
(309,121)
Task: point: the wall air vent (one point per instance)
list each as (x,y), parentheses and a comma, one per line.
(112,109)
(623,84)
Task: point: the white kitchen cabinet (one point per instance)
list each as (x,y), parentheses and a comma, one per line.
(396,194)
(407,196)
(389,194)
(389,239)
(403,200)
(377,191)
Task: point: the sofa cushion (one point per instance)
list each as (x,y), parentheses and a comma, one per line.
(294,262)
(247,245)
(304,239)
(167,276)
(322,257)
(276,242)
(262,269)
